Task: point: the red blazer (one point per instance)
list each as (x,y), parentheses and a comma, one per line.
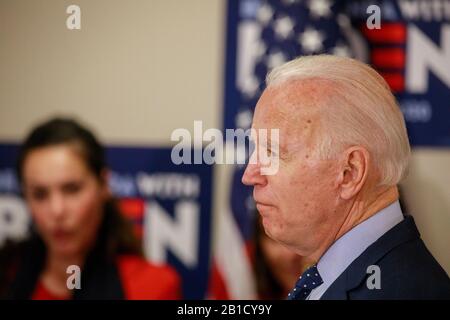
(140,279)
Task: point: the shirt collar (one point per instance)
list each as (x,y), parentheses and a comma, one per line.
(352,244)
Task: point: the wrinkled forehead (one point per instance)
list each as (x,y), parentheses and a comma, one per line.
(292,107)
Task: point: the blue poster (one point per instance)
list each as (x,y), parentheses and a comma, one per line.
(410,49)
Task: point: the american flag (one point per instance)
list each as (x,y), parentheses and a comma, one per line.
(261,36)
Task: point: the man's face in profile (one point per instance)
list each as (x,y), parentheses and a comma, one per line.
(300,199)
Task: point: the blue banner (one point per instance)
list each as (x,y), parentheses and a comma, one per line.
(411,50)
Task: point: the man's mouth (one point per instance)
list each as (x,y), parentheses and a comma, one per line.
(262,206)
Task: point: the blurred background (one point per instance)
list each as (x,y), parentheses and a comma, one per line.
(137,70)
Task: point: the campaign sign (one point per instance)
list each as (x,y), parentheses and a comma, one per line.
(407,42)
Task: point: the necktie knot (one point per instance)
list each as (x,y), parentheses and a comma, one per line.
(309,280)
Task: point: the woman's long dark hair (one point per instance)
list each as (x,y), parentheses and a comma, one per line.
(115,235)
(267,286)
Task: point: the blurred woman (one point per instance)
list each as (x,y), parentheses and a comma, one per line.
(63,175)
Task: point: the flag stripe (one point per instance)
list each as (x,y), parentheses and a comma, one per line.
(390,33)
(395,80)
(388,58)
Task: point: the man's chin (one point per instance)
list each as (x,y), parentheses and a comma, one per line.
(268,228)
(265,223)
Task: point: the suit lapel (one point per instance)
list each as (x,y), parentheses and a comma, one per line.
(357,271)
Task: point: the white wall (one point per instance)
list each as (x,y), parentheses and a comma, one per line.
(135,71)
(427,194)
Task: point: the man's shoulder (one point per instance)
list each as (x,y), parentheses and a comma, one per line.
(408,271)
(396,266)
(412,257)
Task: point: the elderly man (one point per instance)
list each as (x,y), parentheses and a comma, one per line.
(343,148)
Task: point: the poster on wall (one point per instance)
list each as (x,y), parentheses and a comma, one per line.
(408,42)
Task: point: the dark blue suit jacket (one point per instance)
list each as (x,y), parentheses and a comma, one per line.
(408,270)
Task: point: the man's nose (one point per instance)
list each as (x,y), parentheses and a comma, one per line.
(252,175)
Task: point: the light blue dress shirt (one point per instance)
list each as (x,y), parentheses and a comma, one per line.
(352,244)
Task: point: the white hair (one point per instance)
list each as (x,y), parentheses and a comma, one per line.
(361,110)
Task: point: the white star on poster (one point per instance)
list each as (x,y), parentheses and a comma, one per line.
(341,51)
(265,13)
(311,40)
(276,59)
(320,8)
(250,86)
(291,2)
(284,27)
(260,49)
(244,119)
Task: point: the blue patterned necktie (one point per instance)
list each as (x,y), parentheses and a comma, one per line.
(309,280)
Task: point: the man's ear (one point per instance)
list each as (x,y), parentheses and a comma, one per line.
(354,171)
